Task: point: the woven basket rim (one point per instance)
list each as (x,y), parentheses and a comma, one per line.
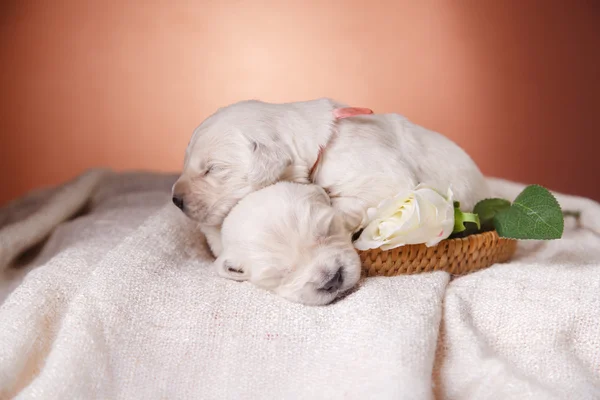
(457,256)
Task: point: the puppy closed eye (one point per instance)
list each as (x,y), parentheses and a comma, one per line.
(232,268)
(212,169)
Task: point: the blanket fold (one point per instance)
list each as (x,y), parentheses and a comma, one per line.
(22,234)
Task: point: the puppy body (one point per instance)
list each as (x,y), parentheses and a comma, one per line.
(374,157)
(366,159)
(287,238)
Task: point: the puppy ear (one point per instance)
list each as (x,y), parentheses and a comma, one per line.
(331,224)
(336,225)
(352,212)
(268,164)
(229,268)
(319,195)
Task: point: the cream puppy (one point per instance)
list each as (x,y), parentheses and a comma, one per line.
(359,160)
(288,239)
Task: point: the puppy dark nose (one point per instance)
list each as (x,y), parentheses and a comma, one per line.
(178,201)
(335,283)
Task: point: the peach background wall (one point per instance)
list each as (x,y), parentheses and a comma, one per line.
(122,83)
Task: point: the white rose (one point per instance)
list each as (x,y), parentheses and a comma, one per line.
(418,216)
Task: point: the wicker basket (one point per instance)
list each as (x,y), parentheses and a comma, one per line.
(456,256)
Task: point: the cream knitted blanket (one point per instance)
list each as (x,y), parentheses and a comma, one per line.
(120,302)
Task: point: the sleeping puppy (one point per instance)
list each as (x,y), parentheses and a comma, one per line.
(288,239)
(358,158)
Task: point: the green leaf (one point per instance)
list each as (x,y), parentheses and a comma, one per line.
(535,214)
(487,210)
(460,218)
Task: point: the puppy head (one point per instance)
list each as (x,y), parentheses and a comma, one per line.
(306,256)
(232,153)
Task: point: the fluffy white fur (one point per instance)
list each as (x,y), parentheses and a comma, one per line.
(250,145)
(287,238)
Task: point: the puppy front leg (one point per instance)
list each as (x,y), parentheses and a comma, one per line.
(352,210)
(213,237)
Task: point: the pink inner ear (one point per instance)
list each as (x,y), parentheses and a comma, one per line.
(346,112)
